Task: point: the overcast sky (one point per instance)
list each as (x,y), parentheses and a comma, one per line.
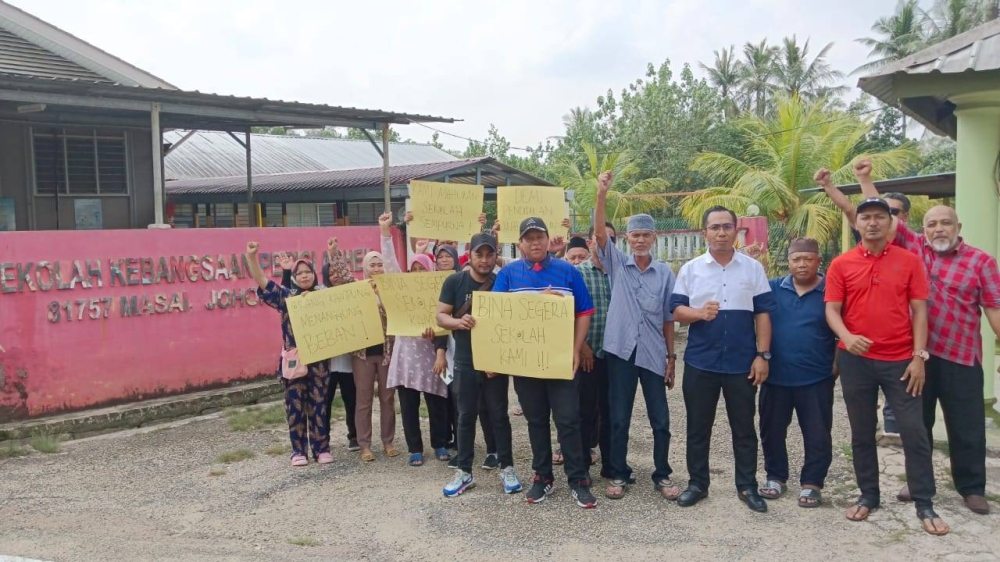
(518,64)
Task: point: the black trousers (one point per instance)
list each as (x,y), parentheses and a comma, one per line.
(813,406)
(484,421)
(437,413)
(473,390)
(701,397)
(560,399)
(590,403)
(860,380)
(348,394)
(959,389)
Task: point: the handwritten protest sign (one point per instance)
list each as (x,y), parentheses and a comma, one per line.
(445,211)
(518,202)
(335,321)
(410,301)
(523,334)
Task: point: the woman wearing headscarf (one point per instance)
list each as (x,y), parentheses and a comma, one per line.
(416,364)
(306,388)
(371,365)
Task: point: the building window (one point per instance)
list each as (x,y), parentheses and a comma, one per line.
(80,162)
(366,213)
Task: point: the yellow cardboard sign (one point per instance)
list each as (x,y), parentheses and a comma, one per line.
(410,301)
(335,321)
(445,211)
(523,334)
(518,202)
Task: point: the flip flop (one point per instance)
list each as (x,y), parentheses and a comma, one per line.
(391,451)
(866,503)
(927,514)
(772,490)
(416,459)
(443,454)
(367,456)
(810,498)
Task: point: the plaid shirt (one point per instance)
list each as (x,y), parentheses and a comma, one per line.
(961,281)
(600,292)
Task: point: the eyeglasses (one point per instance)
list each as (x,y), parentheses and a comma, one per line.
(894,212)
(728,227)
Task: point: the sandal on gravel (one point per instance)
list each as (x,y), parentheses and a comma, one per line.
(367,456)
(868,505)
(772,490)
(616,489)
(416,459)
(809,498)
(391,451)
(324,458)
(443,454)
(299,460)
(668,489)
(938,527)
(557,457)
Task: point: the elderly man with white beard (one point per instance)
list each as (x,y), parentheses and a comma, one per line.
(964,280)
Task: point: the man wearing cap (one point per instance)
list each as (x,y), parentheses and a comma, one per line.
(725,298)
(453,313)
(965,283)
(800,378)
(538,272)
(638,344)
(876,304)
(577,250)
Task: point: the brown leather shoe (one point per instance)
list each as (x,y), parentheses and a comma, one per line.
(977,504)
(904,495)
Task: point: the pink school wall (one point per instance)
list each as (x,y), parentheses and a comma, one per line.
(92,318)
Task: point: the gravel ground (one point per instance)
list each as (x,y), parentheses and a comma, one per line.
(149,495)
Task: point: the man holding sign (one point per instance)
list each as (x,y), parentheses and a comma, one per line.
(638,343)
(540,398)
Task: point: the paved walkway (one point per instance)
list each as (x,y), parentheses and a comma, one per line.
(149,495)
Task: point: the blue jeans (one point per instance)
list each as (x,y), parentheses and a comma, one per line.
(623,379)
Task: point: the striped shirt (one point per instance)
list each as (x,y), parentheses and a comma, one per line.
(600,293)
(521,276)
(641,300)
(728,344)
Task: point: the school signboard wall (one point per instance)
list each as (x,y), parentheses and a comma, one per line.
(92,318)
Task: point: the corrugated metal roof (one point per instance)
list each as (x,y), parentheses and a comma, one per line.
(214,154)
(976,50)
(932,185)
(18,56)
(312,181)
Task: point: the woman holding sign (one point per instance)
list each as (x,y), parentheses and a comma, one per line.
(414,369)
(306,387)
(371,365)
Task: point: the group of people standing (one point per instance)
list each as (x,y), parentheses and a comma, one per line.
(899,313)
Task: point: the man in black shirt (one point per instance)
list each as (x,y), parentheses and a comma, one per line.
(453,313)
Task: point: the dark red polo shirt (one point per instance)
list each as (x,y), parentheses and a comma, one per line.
(876,291)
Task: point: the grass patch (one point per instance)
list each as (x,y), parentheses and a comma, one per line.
(943,447)
(217,472)
(846,450)
(278,449)
(992,497)
(12,450)
(44,443)
(234,456)
(901,477)
(259,418)
(423,411)
(303,541)
(337,410)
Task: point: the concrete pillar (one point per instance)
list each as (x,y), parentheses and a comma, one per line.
(976,192)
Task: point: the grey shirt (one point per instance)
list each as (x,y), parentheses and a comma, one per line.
(640,305)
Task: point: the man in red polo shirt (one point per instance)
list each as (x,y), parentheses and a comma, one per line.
(963,280)
(876,303)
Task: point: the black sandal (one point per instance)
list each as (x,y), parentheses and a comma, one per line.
(810,494)
(869,504)
(928,513)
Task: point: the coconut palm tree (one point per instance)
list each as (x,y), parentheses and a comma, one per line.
(896,36)
(781,155)
(796,75)
(757,73)
(628,195)
(948,18)
(725,74)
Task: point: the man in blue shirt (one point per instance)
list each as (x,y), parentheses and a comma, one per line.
(538,272)
(638,343)
(801,376)
(725,298)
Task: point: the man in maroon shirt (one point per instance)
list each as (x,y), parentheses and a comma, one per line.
(876,303)
(963,280)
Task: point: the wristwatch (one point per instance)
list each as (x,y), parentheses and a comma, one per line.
(922,354)
(765,355)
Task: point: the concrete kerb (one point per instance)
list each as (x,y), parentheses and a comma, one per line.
(137,414)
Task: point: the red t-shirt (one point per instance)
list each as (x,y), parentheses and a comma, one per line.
(876,292)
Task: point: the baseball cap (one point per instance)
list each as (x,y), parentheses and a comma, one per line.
(533,223)
(482,239)
(874,202)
